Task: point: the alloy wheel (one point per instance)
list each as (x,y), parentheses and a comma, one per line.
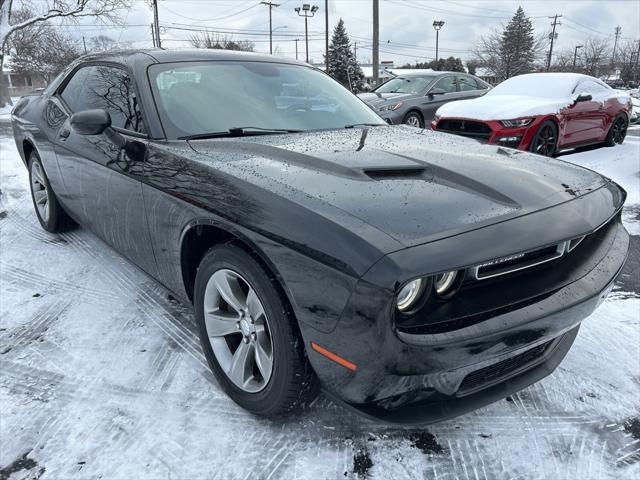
(545,141)
(619,130)
(238,330)
(413,121)
(39,190)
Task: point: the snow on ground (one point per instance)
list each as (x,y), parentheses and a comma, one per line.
(101,376)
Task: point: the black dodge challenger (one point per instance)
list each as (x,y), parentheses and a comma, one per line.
(411,274)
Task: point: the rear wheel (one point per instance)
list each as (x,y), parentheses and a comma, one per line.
(617,131)
(248,334)
(545,140)
(413,119)
(50,213)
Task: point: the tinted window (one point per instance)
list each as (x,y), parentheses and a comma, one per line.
(73,89)
(448,84)
(467,83)
(111,89)
(207,97)
(408,84)
(107,88)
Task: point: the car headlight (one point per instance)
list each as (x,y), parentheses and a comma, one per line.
(393,106)
(518,122)
(409,294)
(445,282)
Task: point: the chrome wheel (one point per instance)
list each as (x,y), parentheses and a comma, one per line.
(413,121)
(39,190)
(238,330)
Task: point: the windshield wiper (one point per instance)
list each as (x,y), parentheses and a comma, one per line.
(238,132)
(364,125)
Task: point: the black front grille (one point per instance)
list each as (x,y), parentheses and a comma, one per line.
(501,370)
(465,128)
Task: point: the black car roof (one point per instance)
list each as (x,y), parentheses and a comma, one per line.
(180,55)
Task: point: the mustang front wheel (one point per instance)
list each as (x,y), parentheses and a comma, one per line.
(248,333)
(545,140)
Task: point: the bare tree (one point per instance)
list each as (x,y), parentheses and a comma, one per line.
(563,62)
(209,40)
(627,61)
(594,56)
(102,10)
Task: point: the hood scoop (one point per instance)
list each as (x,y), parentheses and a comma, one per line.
(395,172)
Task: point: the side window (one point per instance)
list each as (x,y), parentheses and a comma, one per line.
(73,89)
(589,86)
(111,89)
(448,84)
(467,83)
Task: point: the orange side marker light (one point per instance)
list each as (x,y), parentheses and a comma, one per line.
(332,356)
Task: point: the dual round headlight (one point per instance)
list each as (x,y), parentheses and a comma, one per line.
(412,292)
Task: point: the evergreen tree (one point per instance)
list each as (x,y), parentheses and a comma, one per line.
(518,45)
(512,51)
(343,65)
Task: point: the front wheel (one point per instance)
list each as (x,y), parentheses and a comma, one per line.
(617,132)
(413,119)
(545,140)
(249,335)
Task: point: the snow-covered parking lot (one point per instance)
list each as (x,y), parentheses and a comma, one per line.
(101,376)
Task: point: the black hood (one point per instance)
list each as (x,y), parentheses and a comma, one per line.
(414,185)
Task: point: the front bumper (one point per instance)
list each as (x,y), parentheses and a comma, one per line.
(430,377)
(497,134)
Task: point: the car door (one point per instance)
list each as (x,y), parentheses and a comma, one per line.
(102,186)
(434,101)
(584,120)
(469,87)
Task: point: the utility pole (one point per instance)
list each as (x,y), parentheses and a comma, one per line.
(307,11)
(553,36)
(326,35)
(355,50)
(376,41)
(575,55)
(154,5)
(297,48)
(271,6)
(615,46)
(437,25)
(84,43)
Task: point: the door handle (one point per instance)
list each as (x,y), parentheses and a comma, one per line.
(64,133)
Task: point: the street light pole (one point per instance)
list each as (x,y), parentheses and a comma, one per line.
(575,55)
(307,11)
(437,25)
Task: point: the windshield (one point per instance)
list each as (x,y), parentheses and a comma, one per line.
(196,98)
(412,84)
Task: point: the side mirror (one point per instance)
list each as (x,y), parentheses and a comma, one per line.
(96,122)
(436,91)
(90,122)
(583,97)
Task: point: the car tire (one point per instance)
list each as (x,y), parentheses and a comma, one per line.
(50,213)
(413,119)
(617,131)
(545,140)
(239,359)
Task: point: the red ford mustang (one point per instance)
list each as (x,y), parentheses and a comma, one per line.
(541,112)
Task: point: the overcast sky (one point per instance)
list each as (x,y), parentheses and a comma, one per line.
(406,32)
